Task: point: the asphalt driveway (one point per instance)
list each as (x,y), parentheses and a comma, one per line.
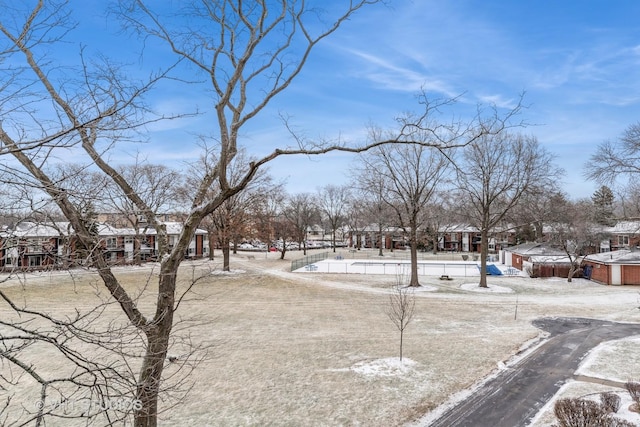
(516,395)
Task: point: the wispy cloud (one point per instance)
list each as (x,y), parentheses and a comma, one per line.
(388,74)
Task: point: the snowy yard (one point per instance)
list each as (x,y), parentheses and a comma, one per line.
(318,349)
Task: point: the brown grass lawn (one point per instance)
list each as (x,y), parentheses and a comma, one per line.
(282,347)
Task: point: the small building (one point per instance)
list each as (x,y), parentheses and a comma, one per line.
(538,260)
(623,235)
(621,267)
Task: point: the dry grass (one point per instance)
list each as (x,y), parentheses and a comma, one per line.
(282,346)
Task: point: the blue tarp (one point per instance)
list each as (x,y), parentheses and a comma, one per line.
(492,270)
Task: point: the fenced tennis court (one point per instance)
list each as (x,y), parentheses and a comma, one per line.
(425,268)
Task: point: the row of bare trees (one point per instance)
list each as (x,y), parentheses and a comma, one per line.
(61,102)
(242,55)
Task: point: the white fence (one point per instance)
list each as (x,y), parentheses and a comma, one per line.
(425,268)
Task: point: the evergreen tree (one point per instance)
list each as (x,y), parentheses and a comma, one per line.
(603,206)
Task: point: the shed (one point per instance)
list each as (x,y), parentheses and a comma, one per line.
(538,259)
(614,268)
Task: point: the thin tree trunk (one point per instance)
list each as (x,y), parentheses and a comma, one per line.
(212,244)
(484,252)
(572,271)
(333,240)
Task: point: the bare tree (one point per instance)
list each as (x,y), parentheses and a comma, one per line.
(333,202)
(302,212)
(248,52)
(232,220)
(537,208)
(614,160)
(573,230)
(255,51)
(402,304)
(371,184)
(438,215)
(285,232)
(157,185)
(410,175)
(495,173)
(629,200)
(264,214)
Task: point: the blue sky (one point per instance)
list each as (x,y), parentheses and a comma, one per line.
(577,61)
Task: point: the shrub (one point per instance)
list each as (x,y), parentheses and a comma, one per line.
(578,413)
(610,402)
(633,388)
(585,413)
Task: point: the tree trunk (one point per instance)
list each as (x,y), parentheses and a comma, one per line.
(226,255)
(157,345)
(382,242)
(414,258)
(574,268)
(212,244)
(137,247)
(484,252)
(224,241)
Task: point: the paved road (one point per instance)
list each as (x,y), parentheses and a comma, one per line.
(517,394)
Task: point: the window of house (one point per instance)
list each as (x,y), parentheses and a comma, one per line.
(112,242)
(454,237)
(35,245)
(128,240)
(623,240)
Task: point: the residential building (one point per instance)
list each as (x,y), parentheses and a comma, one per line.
(29,245)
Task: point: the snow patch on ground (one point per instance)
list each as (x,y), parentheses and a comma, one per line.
(607,359)
(227,273)
(474,287)
(387,367)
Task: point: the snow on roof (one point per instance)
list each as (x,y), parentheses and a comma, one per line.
(533,248)
(33,229)
(109,230)
(173,228)
(622,256)
(458,228)
(550,259)
(624,227)
(28,229)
